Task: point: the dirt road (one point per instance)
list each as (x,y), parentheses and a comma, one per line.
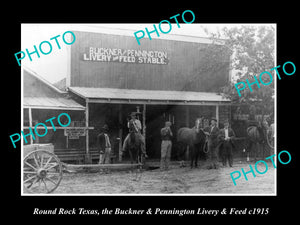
(174,181)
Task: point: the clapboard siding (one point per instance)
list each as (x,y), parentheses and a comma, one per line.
(183,72)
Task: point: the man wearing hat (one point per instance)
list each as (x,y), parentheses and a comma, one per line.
(134,125)
(104,145)
(137,125)
(166,145)
(212,133)
(225,137)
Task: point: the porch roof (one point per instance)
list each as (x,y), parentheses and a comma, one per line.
(114,95)
(51,103)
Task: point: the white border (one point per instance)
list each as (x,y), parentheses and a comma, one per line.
(187,194)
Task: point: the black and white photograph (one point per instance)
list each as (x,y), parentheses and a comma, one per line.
(149,109)
(145,112)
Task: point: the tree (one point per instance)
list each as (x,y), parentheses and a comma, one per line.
(253,52)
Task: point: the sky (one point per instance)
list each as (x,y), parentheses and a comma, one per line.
(53,67)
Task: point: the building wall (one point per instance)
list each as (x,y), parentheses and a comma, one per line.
(33,87)
(185,66)
(224,115)
(57,137)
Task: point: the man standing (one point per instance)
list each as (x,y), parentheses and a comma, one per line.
(104,146)
(166,145)
(225,137)
(134,125)
(212,144)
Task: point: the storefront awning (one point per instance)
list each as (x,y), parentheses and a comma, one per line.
(51,103)
(113,95)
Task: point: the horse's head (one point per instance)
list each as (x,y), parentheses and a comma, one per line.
(131,126)
(265,124)
(205,123)
(198,124)
(200,135)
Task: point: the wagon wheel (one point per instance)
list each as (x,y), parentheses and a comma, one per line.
(42,172)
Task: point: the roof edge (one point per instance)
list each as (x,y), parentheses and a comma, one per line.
(80,94)
(33,73)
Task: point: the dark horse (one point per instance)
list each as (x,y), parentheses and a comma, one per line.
(256,135)
(134,145)
(194,138)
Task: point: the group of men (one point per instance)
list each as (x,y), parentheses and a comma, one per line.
(218,141)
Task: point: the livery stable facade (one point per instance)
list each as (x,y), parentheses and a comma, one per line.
(110,75)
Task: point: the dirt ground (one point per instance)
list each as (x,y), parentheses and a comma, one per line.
(174,181)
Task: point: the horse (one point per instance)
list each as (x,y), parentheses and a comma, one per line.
(256,136)
(269,130)
(193,138)
(134,146)
(270,135)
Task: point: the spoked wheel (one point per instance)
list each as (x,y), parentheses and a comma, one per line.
(42,172)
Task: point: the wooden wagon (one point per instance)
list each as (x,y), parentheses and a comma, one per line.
(42,169)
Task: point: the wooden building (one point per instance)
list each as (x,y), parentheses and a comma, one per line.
(172,78)
(42,101)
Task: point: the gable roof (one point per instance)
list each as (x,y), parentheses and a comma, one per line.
(113,30)
(41,79)
(41,94)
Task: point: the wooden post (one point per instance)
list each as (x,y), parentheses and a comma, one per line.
(30,123)
(217,115)
(144,123)
(229,113)
(67,141)
(187,123)
(187,115)
(88,160)
(120,132)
